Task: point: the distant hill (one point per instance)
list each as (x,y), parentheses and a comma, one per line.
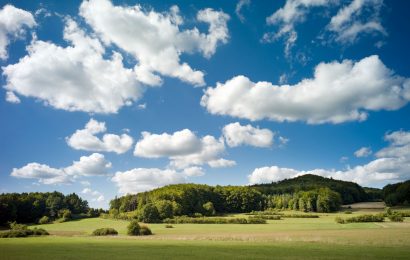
(350,192)
(397,194)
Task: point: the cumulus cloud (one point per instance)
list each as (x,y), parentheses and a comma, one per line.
(183,148)
(391,165)
(241,4)
(93,165)
(194,171)
(287,17)
(143,179)
(348,24)
(73,78)
(363,152)
(155,39)
(338,92)
(86,139)
(182,142)
(221,163)
(235,135)
(13,24)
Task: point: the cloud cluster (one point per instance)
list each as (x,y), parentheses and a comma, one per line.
(73,78)
(86,139)
(235,135)
(338,92)
(143,179)
(348,25)
(155,39)
(93,165)
(183,148)
(13,24)
(96,195)
(391,165)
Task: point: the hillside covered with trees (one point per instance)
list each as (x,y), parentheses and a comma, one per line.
(397,194)
(350,192)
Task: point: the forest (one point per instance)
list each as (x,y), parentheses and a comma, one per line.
(397,194)
(48,206)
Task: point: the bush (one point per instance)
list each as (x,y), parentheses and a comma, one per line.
(23,232)
(197,215)
(40,232)
(105,232)
(204,220)
(145,231)
(149,214)
(348,212)
(268,217)
(65,214)
(340,220)
(44,220)
(169,226)
(300,216)
(209,209)
(396,217)
(133,229)
(366,218)
(15,226)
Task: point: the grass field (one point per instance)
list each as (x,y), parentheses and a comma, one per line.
(290,238)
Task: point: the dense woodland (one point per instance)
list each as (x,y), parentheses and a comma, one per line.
(350,192)
(308,193)
(397,194)
(31,207)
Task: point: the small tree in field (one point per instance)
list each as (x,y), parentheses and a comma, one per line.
(133,229)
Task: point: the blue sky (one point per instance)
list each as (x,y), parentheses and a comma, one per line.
(104,98)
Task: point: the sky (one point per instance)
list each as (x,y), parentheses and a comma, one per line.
(105,98)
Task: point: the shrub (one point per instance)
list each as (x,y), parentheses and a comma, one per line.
(396,217)
(15,226)
(197,215)
(169,226)
(204,220)
(105,232)
(340,220)
(44,220)
(268,217)
(133,229)
(366,218)
(300,216)
(40,232)
(348,212)
(145,231)
(65,214)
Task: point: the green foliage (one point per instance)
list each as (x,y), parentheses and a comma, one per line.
(65,214)
(209,209)
(21,230)
(397,194)
(164,208)
(169,226)
(29,207)
(350,192)
(145,231)
(361,218)
(208,220)
(396,217)
(44,220)
(133,229)
(105,232)
(149,214)
(300,216)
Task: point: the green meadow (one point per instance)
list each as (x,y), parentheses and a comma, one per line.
(289,238)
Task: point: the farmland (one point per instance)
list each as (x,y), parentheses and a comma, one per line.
(288,238)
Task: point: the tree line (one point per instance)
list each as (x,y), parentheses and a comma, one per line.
(397,194)
(31,207)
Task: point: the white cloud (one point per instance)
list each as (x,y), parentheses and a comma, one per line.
(73,78)
(221,163)
(241,4)
(93,165)
(167,145)
(348,23)
(13,24)
(183,148)
(85,139)
(339,92)
(12,98)
(287,17)
(392,165)
(143,179)
(235,135)
(194,171)
(363,152)
(155,39)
